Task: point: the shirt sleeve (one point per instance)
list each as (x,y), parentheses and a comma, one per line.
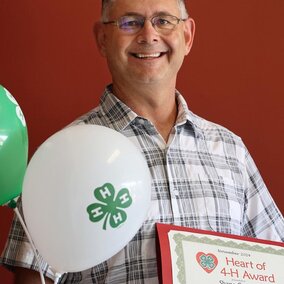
(262,218)
(18,251)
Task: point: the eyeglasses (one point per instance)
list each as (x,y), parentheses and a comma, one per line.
(133,23)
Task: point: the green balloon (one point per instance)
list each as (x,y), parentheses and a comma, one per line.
(13,147)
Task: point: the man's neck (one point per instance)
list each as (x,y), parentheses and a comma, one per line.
(156,103)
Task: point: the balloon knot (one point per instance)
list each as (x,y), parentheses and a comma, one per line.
(12,204)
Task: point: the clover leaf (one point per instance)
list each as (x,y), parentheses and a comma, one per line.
(207,261)
(109,206)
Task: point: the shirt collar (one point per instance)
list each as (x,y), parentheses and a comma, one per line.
(185,116)
(120,115)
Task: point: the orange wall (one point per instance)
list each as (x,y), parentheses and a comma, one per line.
(233,76)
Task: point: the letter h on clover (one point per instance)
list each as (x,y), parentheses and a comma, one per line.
(110,207)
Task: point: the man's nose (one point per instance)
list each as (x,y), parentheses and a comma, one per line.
(148,33)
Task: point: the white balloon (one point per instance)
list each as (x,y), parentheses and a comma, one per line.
(86,193)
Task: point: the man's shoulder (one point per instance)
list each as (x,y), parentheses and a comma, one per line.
(94,116)
(211,130)
(205,128)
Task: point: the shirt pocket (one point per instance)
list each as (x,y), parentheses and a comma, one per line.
(221,203)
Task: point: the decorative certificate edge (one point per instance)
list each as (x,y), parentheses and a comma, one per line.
(179,238)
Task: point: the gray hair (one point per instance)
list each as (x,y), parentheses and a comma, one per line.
(106,4)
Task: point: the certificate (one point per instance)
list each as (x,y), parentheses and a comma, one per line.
(191,256)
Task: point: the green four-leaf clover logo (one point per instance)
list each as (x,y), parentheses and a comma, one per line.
(207,261)
(110,208)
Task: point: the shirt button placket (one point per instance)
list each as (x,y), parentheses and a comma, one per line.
(173,193)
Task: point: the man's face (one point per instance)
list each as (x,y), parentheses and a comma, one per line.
(147,56)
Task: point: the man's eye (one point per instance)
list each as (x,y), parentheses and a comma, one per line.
(132,23)
(129,24)
(163,22)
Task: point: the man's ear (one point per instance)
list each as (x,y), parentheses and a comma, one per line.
(189,30)
(100,37)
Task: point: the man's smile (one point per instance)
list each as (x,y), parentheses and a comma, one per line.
(148,55)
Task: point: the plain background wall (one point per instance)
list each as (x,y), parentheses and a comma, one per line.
(233,76)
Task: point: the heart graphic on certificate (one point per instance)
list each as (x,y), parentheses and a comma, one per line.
(207,261)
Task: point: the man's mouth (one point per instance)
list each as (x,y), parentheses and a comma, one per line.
(148,55)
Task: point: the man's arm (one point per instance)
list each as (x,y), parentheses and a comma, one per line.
(262,218)
(28,276)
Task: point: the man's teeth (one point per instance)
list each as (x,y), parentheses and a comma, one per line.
(153,55)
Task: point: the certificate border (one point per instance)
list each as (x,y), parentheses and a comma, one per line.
(163,247)
(180,237)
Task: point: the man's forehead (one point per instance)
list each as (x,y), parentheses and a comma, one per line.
(138,1)
(143,3)
(144,6)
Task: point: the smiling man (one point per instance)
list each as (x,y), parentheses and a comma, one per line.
(202,174)
(145,43)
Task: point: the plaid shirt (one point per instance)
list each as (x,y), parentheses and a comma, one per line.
(203,177)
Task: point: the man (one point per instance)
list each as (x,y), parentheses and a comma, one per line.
(202,175)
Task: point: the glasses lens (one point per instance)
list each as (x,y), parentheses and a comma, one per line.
(165,22)
(130,23)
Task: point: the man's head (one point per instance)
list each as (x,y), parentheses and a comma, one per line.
(144,41)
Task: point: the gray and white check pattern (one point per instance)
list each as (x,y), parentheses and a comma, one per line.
(203,177)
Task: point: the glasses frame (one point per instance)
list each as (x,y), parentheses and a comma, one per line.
(160,30)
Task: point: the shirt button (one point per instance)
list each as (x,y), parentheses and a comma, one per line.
(176,192)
